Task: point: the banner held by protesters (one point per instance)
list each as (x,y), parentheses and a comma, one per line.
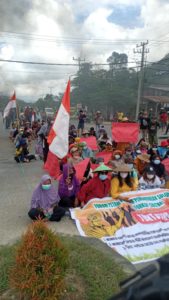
(126,226)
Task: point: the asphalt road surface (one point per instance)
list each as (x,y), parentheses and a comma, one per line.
(17,182)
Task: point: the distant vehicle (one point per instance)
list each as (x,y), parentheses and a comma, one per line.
(49,112)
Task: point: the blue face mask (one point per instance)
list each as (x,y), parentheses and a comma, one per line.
(46,187)
(156,161)
(103,177)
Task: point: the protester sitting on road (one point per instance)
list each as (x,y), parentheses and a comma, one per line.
(141,162)
(22,152)
(102,140)
(163,148)
(97,187)
(68,186)
(44,203)
(85,133)
(153,151)
(159,168)
(75,156)
(18,136)
(85,151)
(117,159)
(149,180)
(92,132)
(72,131)
(108,147)
(123,182)
(71,140)
(128,153)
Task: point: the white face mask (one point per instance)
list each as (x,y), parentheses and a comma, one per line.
(150,176)
(117,156)
(131,166)
(156,161)
(154,149)
(123,175)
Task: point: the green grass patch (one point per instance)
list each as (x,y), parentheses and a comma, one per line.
(158,253)
(91,274)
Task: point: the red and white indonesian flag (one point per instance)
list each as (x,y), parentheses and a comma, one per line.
(59,132)
(11,104)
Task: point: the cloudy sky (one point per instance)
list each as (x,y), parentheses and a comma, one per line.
(55,31)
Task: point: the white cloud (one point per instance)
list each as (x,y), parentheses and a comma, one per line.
(73,19)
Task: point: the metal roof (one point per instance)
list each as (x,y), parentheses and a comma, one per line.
(157,99)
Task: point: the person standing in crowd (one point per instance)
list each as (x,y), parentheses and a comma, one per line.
(152,131)
(144,123)
(98,121)
(68,186)
(163,119)
(45,200)
(97,187)
(81,124)
(123,182)
(149,180)
(43,134)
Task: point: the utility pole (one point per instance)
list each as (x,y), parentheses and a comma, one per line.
(79,60)
(142,51)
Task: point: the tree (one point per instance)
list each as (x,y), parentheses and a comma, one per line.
(117,61)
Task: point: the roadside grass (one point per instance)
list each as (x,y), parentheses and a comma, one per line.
(158,253)
(91,273)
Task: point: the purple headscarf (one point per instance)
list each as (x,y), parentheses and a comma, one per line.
(44,198)
(64,190)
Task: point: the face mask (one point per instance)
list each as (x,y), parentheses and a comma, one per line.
(123,175)
(117,156)
(130,166)
(46,187)
(138,152)
(85,147)
(150,176)
(154,149)
(156,161)
(103,177)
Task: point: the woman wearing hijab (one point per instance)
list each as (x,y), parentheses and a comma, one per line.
(44,203)
(123,182)
(68,186)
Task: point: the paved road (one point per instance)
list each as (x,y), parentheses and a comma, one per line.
(17,182)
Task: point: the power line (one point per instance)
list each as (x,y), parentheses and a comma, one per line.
(58,64)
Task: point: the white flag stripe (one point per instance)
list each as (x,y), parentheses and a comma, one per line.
(11,104)
(59,145)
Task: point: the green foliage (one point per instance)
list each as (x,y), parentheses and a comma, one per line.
(101,275)
(40,265)
(6,261)
(91,274)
